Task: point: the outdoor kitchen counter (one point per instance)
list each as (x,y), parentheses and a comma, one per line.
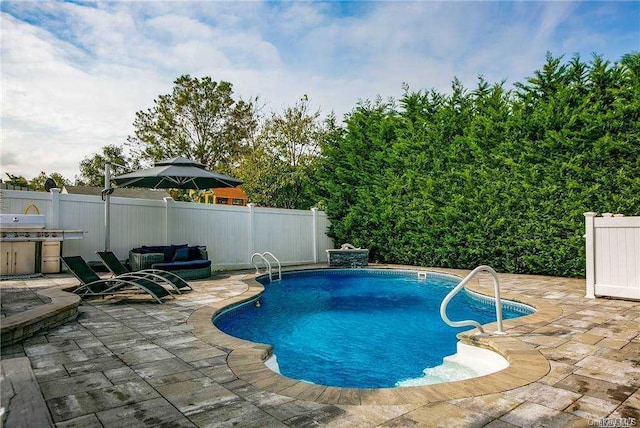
(14,234)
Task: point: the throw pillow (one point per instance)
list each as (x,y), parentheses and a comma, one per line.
(172,251)
(194,253)
(168,252)
(182,255)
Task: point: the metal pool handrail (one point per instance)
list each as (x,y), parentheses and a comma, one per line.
(266,263)
(496,289)
(267,253)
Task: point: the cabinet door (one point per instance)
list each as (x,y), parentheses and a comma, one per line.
(6,263)
(50,257)
(51,249)
(24,257)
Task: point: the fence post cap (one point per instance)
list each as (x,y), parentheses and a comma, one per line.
(590,214)
(607,215)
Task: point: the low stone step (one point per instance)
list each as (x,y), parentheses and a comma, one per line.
(22,400)
(62,308)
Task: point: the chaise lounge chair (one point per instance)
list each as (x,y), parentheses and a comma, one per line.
(117,268)
(92,285)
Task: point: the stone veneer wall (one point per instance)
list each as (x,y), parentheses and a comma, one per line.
(62,308)
(348,258)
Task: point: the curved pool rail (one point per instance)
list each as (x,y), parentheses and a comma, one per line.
(267,264)
(246,359)
(460,286)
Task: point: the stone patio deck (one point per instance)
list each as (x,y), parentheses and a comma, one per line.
(131,361)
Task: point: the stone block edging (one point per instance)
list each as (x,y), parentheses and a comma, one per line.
(246,359)
(62,308)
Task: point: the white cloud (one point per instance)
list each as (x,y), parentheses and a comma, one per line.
(300,16)
(73,75)
(55,113)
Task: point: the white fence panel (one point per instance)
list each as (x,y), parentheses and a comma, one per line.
(324,242)
(82,213)
(288,234)
(136,222)
(231,233)
(223,229)
(19,201)
(613,256)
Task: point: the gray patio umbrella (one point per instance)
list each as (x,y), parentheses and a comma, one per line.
(176,173)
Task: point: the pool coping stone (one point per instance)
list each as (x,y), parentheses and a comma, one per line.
(246,359)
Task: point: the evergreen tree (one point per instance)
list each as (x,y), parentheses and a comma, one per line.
(489,176)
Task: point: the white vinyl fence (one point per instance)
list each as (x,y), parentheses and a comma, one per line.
(231,233)
(613,256)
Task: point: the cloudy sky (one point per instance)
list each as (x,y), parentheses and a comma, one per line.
(73,74)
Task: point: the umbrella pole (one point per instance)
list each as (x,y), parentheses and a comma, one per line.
(107,206)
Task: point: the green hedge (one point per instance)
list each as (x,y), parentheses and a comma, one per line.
(489,176)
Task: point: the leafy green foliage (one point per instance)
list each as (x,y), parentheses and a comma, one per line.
(199,120)
(17,180)
(92,168)
(279,169)
(37,183)
(489,176)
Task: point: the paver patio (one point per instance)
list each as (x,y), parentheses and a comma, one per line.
(136,362)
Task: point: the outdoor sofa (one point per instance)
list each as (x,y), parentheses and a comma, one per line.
(188,262)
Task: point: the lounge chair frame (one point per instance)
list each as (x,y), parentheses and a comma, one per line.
(113,285)
(118,269)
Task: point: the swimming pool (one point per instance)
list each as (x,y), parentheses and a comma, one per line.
(362,328)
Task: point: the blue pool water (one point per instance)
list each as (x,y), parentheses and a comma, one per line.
(361,328)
